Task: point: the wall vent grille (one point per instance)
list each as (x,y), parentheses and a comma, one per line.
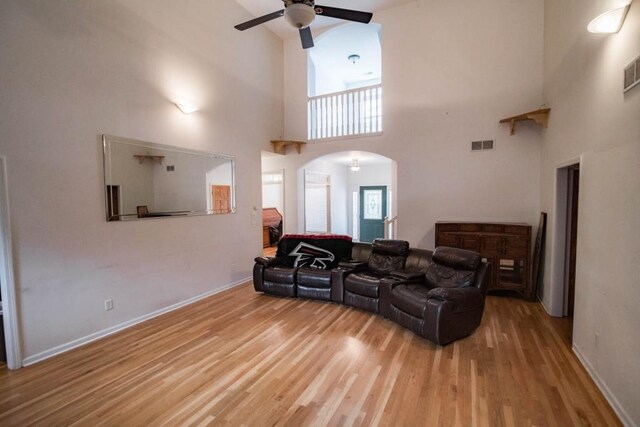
(482,145)
(632,74)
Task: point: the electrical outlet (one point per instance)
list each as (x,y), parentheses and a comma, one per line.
(108,304)
(595,339)
(234,267)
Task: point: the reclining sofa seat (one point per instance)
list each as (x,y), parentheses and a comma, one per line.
(446,303)
(362,283)
(302,278)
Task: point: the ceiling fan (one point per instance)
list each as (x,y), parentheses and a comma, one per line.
(301,13)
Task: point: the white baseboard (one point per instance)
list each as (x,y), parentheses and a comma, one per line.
(117,328)
(541,301)
(617,408)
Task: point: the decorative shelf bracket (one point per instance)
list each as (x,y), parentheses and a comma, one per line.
(280,146)
(540,117)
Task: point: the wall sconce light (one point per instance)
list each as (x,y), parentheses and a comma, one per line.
(355,165)
(186,108)
(609,22)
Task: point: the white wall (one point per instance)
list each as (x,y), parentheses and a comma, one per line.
(593,120)
(450,71)
(74,70)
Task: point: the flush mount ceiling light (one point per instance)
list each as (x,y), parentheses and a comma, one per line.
(355,165)
(354,58)
(609,22)
(186,108)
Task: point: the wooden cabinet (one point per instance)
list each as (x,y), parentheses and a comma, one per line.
(506,246)
(265,236)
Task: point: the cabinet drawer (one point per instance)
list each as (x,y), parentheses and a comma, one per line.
(469,227)
(517,229)
(492,228)
(447,227)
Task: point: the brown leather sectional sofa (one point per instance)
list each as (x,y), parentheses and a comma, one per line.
(438,295)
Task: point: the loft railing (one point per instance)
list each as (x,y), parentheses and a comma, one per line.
(391,227)
(343,114)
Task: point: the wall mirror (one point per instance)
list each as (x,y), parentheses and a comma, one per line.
(147,180)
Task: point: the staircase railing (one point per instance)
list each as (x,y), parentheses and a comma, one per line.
(391,227)
(343,114)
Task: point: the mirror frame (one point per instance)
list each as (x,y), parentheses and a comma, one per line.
(108,139)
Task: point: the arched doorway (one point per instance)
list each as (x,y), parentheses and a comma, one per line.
(349,192)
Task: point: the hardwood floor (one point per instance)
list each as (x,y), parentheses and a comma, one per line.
(241,357)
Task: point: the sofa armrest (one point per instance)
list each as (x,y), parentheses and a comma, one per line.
(384,291)
(452,313)
(266,261)
(410,276)
(353,265)
(339,274)
(461,298)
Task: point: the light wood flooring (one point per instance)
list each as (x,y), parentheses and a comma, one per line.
(243,358)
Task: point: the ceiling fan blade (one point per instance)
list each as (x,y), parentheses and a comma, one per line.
(306,37)
(349,15)
(260,20)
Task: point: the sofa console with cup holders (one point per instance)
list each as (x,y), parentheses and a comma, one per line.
(438,295)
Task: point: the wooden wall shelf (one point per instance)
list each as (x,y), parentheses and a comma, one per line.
(541,117)
(142,157)
(280,146)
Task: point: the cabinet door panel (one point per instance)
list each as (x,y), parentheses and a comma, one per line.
(471,243)
(447,239)
(515,246)
(491,245)
(512,273)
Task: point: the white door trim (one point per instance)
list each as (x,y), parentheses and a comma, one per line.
(9,308)
(559,241)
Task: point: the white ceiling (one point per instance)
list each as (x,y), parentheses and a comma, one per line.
(331,52)
(279,26)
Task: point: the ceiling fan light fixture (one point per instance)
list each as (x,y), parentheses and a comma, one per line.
(300,15)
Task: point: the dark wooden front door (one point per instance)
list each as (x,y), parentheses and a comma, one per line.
(373,210)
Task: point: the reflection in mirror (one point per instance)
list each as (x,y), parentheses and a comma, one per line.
(147,180)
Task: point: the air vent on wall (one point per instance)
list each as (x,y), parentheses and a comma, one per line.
(482,145)
(632,74)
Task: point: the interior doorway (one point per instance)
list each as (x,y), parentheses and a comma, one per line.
(573,189)
(8,309)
